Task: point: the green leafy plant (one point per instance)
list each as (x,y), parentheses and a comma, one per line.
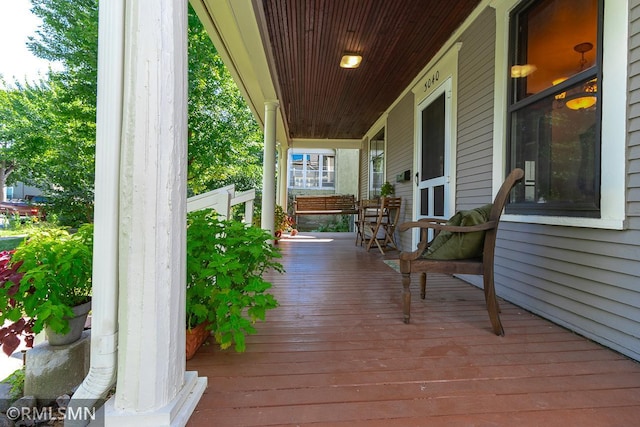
(282,221)
(16,380)
(226,260)
(42,280)
(387,189)
(341,225)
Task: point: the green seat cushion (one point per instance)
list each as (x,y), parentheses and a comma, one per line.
(448,245)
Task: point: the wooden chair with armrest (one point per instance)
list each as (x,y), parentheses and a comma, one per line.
(413,262)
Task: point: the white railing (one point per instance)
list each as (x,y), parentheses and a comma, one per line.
(222,199)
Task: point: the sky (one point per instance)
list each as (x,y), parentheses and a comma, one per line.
(17,23)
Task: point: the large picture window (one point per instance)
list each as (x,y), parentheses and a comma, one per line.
(555,106)
(312,170)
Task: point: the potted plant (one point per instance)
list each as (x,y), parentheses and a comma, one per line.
(46,284)
(226,292)
(387,189)
(283,222)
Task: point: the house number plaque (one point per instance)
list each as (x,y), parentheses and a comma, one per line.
(432,81)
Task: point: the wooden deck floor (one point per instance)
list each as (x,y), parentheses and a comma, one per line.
(337,353)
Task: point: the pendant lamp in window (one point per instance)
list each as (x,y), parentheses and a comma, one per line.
(586,98)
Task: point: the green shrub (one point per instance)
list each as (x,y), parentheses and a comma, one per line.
(47,275)
(226,260)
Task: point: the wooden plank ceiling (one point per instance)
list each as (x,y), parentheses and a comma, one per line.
(308,38)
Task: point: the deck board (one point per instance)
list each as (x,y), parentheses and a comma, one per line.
(336,352)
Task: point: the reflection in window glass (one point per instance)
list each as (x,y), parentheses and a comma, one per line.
(376,164)
(433,139)
(328,171)
(558,40)
(312,170)
(556,150)
(424,202)
(555,107)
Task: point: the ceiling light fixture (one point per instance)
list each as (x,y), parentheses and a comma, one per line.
(587,97)
(557,82)
(350,60)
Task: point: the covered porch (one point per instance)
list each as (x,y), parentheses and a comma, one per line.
(335,352)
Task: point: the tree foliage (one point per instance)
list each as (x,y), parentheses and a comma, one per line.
(48,129)
(23,130)
(225,142)
(69,35)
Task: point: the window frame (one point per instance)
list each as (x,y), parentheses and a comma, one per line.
(379,138)
(321,171)
(613,124)
(379,141)
(562,208)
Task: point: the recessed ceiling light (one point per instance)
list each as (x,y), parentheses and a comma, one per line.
(350,60)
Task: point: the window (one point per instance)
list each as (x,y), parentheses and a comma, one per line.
(376,164)
(312,170)
(555,107)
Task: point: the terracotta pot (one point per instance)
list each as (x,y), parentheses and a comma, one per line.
(195,338)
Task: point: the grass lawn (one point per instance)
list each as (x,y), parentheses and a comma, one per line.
(9,243)
(13,234)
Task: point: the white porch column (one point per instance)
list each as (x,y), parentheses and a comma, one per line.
(283,160)
(104,304)
(269,167)
(153,388)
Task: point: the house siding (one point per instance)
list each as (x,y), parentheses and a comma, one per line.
(364,170)
(475,113)
(634,119)
(346,176)
(585,279)
(400,130)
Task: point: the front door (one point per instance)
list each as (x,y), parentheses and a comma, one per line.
(434,142)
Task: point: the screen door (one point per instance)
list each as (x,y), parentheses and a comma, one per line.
(432,178)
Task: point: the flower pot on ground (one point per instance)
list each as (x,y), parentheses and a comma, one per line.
(226,260)
(42,281)
(283,222)
(196,337)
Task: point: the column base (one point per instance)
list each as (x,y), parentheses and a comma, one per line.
(176,413)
